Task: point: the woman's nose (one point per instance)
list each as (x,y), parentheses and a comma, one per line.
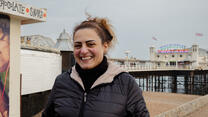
(83,50)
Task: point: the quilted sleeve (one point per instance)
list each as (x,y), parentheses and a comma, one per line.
(136,106)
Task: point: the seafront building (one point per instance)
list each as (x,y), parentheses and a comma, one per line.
(170,56)
(40,63)
(42,60)
(179,56)
(64,44)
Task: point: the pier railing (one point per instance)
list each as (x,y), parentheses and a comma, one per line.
(136,65)
(155,68)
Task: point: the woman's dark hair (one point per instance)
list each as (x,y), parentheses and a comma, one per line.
(101,27)
(4,23)
(5,26)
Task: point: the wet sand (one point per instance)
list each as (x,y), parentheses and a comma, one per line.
(158,102)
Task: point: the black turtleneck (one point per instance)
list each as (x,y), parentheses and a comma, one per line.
(90,76)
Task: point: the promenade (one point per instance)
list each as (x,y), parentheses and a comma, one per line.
(158,102)
(202,112)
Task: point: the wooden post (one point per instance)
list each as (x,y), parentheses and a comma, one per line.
(155,87)
(204,84)
(143,83)
(159,83)
(186,84)
(162,83)
(139,83)
(20,95)
(174,84)
(192,81)
(147,83)
(152,81)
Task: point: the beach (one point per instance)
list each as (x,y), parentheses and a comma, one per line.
(158,102)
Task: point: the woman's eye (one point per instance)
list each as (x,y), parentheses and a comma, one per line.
(90,44)
(77,46)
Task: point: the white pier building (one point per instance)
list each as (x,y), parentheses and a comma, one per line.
(168,57)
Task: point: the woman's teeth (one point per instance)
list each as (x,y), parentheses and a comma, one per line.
(86,58)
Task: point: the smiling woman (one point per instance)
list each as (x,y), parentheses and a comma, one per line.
(94,87)
(88,49)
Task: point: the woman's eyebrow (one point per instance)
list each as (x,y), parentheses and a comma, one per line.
(90,41)
(78,42)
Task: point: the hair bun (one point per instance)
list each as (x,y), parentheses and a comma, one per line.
(100,24)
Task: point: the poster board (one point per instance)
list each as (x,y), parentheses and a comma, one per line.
(4,64)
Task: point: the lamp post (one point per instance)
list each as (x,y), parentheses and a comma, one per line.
(127,57)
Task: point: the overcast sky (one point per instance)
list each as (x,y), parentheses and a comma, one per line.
(135,22)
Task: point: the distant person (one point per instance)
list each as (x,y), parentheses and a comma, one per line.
(4,66)
(95,87)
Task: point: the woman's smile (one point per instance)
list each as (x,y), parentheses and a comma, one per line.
(86,58)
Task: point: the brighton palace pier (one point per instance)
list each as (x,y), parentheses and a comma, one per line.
(169,57)
(171,68)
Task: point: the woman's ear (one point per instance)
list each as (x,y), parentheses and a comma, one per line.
(105,45)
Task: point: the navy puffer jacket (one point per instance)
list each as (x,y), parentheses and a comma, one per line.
(114,94)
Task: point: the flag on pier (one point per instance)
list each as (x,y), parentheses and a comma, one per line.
(199,34)
(154,38)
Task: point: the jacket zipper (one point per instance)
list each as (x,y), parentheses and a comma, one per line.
(83,104)
(85,97)
(84,100)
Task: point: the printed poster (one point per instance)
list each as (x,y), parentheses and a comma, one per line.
(4,64)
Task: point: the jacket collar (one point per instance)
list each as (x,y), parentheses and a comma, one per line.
(107,77)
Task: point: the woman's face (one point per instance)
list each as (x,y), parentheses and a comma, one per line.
(88,48)
(4,52)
